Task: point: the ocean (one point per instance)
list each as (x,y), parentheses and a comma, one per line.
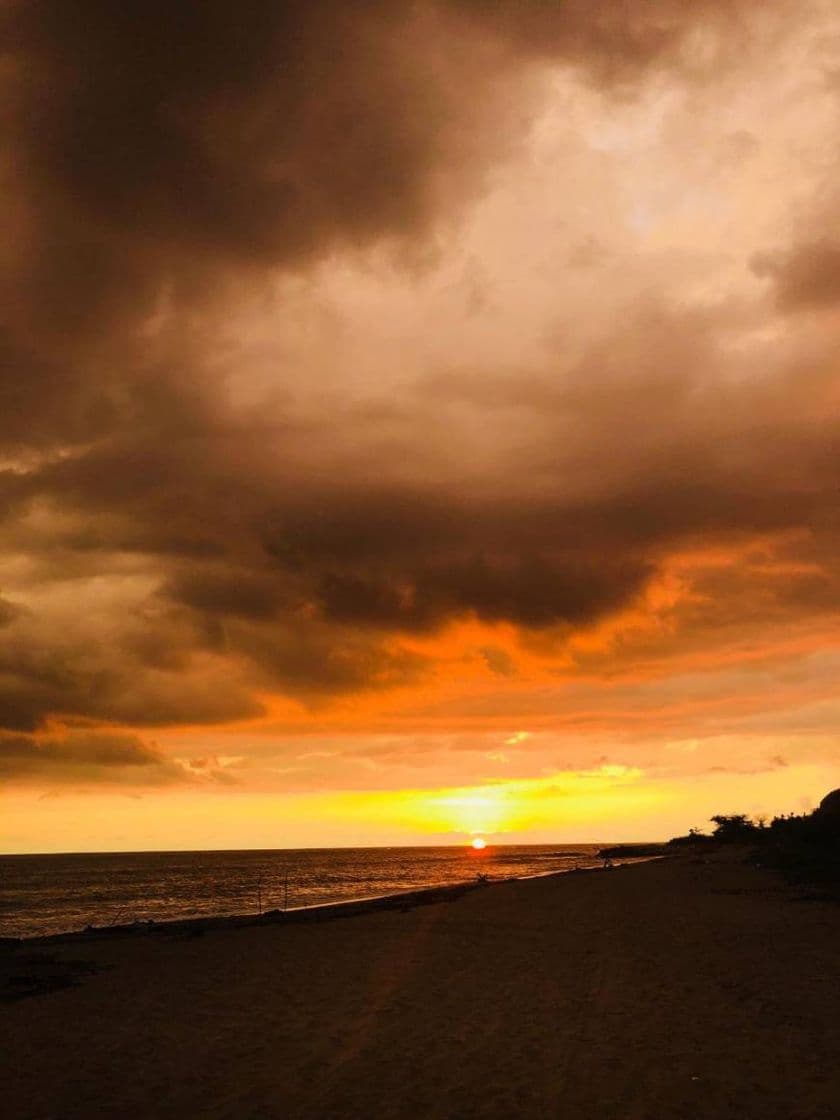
(46,894)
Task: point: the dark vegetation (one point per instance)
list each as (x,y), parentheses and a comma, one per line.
(805,848)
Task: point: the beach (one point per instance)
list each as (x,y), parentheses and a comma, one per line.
(692,987)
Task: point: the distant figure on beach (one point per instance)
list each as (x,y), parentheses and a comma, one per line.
(607,862)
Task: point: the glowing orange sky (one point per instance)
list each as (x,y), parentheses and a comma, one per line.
(435,436)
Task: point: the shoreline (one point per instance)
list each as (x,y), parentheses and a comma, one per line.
(322,911)
(318,912)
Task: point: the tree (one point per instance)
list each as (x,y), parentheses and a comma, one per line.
(733,827)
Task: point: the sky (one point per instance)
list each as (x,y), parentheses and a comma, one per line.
(417,420)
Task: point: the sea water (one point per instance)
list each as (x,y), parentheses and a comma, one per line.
(44,894)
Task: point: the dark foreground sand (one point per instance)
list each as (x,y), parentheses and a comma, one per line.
(672,989)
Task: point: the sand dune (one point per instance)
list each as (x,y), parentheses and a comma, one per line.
(675,989)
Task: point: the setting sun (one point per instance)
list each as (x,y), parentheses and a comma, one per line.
(479,844)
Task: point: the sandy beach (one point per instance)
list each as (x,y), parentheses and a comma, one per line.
(684,988)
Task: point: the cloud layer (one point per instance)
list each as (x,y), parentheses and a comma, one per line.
(362,364)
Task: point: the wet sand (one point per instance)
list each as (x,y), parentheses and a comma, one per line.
(681,988)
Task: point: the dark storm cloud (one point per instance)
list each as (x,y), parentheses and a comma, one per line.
(235,592)
(159,153)
(118,663)
(253,137)
(268,134)
(29,694)
(405,561)
(305,581)
(311,660)
(83,756)
(166,155)
(154,145)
